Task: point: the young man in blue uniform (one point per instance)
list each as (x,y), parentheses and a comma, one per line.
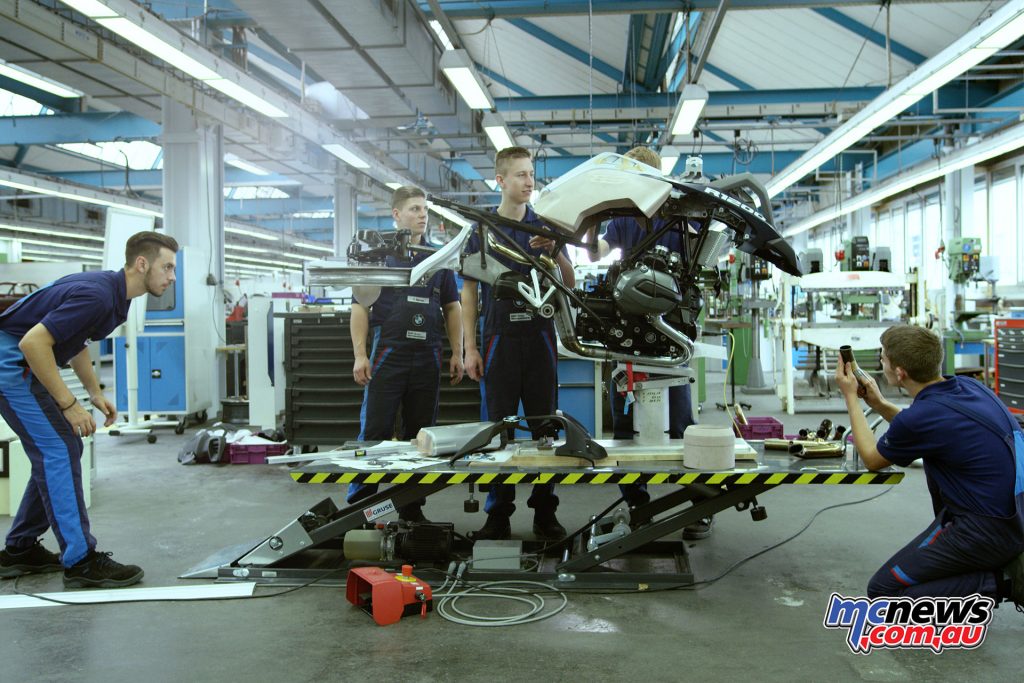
(519,360)
(973,455)
(40,333)
(624,233)
(403,366)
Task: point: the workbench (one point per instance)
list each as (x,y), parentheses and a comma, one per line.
(700,494)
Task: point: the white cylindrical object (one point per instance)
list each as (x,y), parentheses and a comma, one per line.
(709,447)
(650,416)
(363,544)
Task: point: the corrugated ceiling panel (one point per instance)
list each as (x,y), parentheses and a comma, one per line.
(927,27)
(783,49)
(529,62)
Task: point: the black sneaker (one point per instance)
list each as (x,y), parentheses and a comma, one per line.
(496,528)
(32,560)
(546,526)
(1015,570)
(699,530)
(98,570)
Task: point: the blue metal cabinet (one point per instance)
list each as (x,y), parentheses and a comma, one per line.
(161,374)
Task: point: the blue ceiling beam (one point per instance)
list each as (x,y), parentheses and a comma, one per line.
(567,48)
(276,207)
(716,98)
(870,34)
(683,34)
(662,26)
(114,178)
(464,169)
(726,76)
(503,81)
(87,127)
(45,99)
(502,9)
(634,39)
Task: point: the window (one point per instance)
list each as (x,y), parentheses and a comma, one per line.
(931,230)
(1002,213)
(978,227)
(897,230)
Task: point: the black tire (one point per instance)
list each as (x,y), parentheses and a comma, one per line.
(151,438)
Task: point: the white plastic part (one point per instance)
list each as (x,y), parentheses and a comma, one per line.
(709,447)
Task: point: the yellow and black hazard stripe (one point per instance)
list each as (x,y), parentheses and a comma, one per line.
(562,478)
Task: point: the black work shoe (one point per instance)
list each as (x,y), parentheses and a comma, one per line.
(546,526)
(32,560)
(99,570)
(699,530)
(1015,570)
(496,528)
(412,514)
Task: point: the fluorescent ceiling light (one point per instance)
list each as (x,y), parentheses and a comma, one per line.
(64,256)
(249,99)
(45,243)
(1004,26)
(249,167)
(346,155)
(282,264)
(90,8)
(459,69)
(669,158)
(241,247)
(173,54)
(38,82)
(84,198)
(975,153)
(251,233)
(691,103)
(497,131)
(435,26)
(445,212)
(164,51)
(393,186)
(315,247)
(50,232)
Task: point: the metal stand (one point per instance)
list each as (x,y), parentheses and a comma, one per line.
(299,551)
(755,373)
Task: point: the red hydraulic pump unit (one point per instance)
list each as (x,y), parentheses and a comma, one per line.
(387,596)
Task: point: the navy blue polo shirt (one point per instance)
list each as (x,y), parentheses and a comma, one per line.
(973,469)
(625,233)
(395,304)
(512,317)
(75,309)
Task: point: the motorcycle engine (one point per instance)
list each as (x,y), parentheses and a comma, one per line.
(653,284)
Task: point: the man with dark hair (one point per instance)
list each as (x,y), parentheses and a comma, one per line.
(39,334)
(520,347)
(406,325)
(973,455)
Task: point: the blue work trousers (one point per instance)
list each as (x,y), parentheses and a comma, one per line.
(401,377)
(956,556)
(53,497)
(519,368)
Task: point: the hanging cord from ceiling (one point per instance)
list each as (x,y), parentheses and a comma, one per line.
(590,71)
(863,45)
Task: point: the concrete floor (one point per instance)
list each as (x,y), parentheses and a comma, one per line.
(762,621)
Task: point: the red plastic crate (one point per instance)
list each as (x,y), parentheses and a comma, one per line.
(761,428)
(254,454)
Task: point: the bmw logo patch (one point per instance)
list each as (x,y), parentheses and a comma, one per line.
(418,319)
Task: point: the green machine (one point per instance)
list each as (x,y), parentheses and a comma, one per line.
(964,259)
(856,254)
